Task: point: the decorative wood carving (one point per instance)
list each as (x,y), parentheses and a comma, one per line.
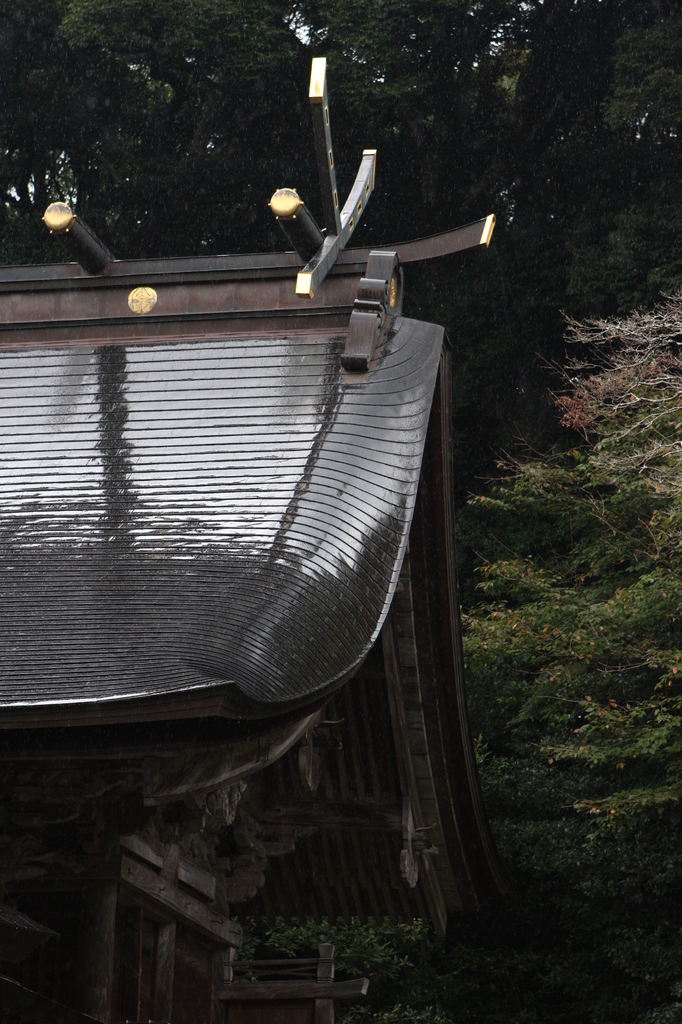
(208,770)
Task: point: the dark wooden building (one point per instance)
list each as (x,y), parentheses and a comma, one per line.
(231,674)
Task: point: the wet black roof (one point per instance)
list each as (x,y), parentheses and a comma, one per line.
(201,514)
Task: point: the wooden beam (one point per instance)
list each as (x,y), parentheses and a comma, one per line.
(325,965)
(140,959)
(169,870)
(334,814)
(169,903)
(196,878)
(217,980)
(164,971)
(201,771)
(391,858)
(334,877)
(406,772)
(356,757)
(142,849)
(95,958)
(294,990)
(14,998)
(368,738)
(323,880)
(324,1011)
(319,103)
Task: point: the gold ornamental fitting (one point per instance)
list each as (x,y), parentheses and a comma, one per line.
(59,217)
(318,74)
(393,293)
(142,300)
(487,232)
(304,284)
(285,203)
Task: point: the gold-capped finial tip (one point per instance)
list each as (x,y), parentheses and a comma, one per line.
(285,203)
(487,232)
(59,217)
(318,74)
(304,284)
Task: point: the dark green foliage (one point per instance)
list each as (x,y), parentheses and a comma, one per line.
(574,652)
(170,124)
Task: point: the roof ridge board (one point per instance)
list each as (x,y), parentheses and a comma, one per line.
(277,264)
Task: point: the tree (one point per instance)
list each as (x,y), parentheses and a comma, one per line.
(573,655)
(170,124)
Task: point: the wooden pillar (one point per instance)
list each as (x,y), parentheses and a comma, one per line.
(324,1011)
(324,1008)
(164,972)
(95,957)
(221,974)
(164,966)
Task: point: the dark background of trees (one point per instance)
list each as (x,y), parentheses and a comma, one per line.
(168,123)
(171,122)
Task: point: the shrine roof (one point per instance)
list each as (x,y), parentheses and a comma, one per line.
(218,517)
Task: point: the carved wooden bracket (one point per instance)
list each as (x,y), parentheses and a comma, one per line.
(309,763)
(206,770)
(380,294)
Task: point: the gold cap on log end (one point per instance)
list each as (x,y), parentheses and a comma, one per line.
(304,284)
(487,232)
(59,217)
(318,73)
(285,203)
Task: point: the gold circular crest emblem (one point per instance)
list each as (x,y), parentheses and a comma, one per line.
(142,300)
